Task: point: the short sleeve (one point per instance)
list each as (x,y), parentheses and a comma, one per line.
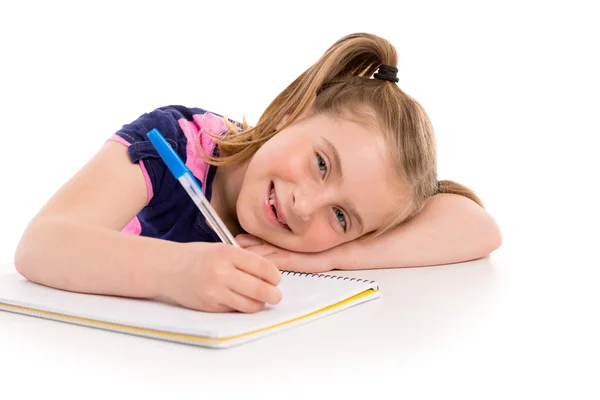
(159,180)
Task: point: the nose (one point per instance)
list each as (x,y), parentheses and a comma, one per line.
(306,200)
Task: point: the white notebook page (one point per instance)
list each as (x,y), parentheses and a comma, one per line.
(302,294)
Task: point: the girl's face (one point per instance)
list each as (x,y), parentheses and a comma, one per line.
(318,183)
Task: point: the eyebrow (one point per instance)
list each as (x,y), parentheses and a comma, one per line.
(340,173)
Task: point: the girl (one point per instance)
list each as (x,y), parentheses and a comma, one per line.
(340,167)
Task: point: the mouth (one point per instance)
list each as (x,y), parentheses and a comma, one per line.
(273,208)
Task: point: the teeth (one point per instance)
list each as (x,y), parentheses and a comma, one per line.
(272,197)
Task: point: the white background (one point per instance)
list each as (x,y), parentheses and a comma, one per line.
(512,88)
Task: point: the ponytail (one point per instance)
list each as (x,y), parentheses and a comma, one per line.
(355,55)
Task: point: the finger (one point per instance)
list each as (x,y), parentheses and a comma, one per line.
(245,240)
(256,265)
(218,308)
(297,262)
(262,250)
(205,306)
(242,303)
(254,288)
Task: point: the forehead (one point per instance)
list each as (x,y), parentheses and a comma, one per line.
(370,183)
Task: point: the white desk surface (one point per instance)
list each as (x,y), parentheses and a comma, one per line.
(491,328)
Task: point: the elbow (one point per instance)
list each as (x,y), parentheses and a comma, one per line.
(493,238)
(496,235)
(21,259)
(26,259)
(498,238)
(495,241)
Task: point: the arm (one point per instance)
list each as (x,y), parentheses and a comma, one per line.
(450,229)
(74,243)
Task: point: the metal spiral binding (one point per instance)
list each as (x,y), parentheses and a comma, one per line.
(325,276)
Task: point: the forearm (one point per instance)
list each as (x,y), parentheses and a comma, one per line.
(450,229)
(64,254)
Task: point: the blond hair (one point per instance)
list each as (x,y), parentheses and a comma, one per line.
(339,84)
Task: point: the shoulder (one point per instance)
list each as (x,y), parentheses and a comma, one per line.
(177,123)
(165,119)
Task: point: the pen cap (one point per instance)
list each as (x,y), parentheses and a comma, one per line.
(164,149)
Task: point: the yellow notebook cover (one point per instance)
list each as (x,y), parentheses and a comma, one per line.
(306,297)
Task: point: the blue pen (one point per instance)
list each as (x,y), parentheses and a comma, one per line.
(191,186)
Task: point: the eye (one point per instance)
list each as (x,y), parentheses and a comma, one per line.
(339,214)
(341,218)
(322,164)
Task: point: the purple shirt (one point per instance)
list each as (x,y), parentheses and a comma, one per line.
(169,212)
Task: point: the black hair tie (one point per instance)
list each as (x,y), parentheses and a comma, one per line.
(387,73)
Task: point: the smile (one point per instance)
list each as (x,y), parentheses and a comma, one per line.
(273,208)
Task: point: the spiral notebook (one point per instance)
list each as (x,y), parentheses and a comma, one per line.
(306,297)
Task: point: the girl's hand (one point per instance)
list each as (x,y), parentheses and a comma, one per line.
(218,277)
(285,259)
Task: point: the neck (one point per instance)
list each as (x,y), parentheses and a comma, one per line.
(225,192)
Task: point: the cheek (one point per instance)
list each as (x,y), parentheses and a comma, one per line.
(245,217)
(289,165)
(318,237)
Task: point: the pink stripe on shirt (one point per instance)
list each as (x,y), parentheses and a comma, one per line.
(149,189)
(193,131)
(134,226)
